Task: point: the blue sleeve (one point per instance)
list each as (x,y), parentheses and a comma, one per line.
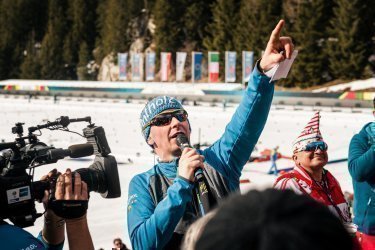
(152,227)
(230,153)
(50,246)
(361,159)
(12,237)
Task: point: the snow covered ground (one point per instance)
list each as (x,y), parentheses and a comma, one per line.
(107,218)
(357,85)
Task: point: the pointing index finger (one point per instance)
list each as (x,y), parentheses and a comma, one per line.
(276,32)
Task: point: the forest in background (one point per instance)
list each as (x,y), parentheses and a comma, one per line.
(68,39)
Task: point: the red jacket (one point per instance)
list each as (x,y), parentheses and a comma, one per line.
(300,182)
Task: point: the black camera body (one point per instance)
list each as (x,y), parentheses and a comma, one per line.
(18,159)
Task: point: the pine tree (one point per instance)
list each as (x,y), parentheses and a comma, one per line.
(34,15)
(169,35)
(81,26)
(222,30)
(31,67)
(18,18)
(196,18)
(114,21)
(84,58)
(309,34)
(257,19)
(349,45)
(53,66)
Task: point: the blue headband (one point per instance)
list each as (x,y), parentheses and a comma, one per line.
(155,107)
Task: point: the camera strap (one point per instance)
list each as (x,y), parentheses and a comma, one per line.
(68,209)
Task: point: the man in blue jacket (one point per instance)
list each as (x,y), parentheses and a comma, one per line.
(362,169)
(160,205)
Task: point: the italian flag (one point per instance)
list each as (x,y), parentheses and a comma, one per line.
(213,66)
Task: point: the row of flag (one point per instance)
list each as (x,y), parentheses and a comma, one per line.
(137,64)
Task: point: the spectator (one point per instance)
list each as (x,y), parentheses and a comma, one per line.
(309,176)
(362,170)
(273,220)
(118,244)
(162,201)
(273,155)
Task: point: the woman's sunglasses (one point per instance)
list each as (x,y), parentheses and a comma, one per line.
(165,119)
(313,146)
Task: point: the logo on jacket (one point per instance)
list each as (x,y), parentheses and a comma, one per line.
(132,199)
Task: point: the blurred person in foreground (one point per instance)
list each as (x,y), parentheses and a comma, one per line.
(52,235)
(309,176)
(161,203)
(195,231)
(273,220)
(362,170)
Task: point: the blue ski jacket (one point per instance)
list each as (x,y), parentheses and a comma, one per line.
(362,169)
(159,208)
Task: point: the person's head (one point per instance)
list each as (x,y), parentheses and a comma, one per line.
(162,119)
(117,243)
(273,220)
(309,149)
(195,230)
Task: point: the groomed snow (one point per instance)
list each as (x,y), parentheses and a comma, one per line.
(107,218)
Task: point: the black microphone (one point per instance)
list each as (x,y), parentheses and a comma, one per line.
(202,193)
(182,143)
(73,151)
(6,145)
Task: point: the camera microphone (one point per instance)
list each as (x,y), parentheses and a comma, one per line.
(73,151)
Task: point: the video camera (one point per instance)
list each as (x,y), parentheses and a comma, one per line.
(18,191)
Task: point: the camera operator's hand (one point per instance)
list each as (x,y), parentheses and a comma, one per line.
(77,229)
(64,187)
(189,161)
(54,226)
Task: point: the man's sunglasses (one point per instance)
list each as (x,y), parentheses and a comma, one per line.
(313,146)
(165,119)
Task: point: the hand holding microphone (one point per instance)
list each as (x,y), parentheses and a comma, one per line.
(190,167)
(190,161)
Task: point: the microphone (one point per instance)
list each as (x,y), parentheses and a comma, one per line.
(182,143)
(201,191)
(73,151)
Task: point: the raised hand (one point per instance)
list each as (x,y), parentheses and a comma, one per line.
(278,48)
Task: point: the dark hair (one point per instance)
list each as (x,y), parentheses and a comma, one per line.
(116,239)
(373,102)
(274,220)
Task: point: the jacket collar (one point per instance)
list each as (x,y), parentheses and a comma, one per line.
(305,176)
(169,169)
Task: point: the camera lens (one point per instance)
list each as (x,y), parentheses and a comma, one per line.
(102,177)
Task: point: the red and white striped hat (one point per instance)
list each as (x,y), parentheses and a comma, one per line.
(310,133)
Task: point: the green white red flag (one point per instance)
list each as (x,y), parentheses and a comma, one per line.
(213,66)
